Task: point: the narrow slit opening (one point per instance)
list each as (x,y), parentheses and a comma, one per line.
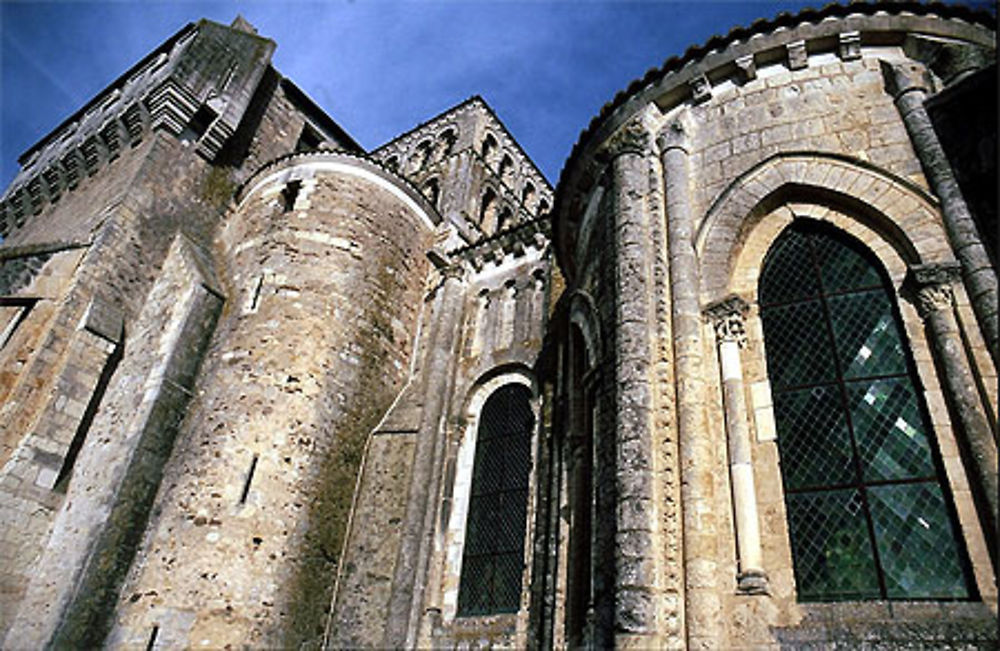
(290,194)
(246,484)
(152,638)
(256,293)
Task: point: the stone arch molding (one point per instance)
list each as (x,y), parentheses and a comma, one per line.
(903,214)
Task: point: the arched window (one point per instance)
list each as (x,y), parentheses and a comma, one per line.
(527,195)
(506,169)
(493,555)
(487,210)
(489,147)
(446,143)
(504,219)
(432,191)
(868,514)
(422,155)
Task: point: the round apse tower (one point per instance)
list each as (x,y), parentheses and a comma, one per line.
(324,257)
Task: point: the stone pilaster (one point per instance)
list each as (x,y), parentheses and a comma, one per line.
(932,286)
(697,458)
(727,316)
(404,617)
(909,85)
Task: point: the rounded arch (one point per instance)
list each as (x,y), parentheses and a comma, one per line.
(492,380)
(903,215)
(583,314)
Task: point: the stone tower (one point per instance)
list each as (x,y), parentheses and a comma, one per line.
(731,384)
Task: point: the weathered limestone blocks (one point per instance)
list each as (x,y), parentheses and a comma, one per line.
(117,474)
(325,266)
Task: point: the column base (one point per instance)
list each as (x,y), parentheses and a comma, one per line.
(752,582)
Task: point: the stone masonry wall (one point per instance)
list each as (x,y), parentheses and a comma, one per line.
(311,349)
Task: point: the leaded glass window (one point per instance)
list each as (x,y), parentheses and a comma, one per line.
(493,557)
(868,515)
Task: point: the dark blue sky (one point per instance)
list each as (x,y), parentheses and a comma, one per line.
(377,67)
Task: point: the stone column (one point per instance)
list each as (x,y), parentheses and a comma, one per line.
(703,605)
(935,302)
(404,615)
(730,334)
(909,85)
(636,584)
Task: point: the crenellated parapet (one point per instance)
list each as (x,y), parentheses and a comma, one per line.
(171,90)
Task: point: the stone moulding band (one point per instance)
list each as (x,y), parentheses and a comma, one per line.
(335,163)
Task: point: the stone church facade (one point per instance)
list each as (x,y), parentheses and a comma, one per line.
(731,384)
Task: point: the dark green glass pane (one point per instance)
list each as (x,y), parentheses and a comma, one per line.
(843,266)
(510,517)
(517,453)
(831,546)
(789,272)
(507,582)
(813,438)
(476,587)
(481,524)
(798,347)
(916,542)
(867,338)
(889,429)
(487,474)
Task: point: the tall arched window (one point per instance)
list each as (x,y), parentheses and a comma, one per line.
(493,556)
(868,514)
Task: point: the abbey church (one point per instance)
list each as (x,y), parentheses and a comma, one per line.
(731,384)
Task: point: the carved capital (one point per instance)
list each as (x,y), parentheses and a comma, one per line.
(728,316)
(633,138)
(931,285)
(673,136)
(933,298)
(903,77)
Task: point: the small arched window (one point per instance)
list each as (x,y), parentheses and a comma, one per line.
(487,210)
(432,191)
(543,207)
(446,143)
(527,195)
(504,220)
(489,147)
(869,516)
(493,554)
(506,170)
(422,155)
